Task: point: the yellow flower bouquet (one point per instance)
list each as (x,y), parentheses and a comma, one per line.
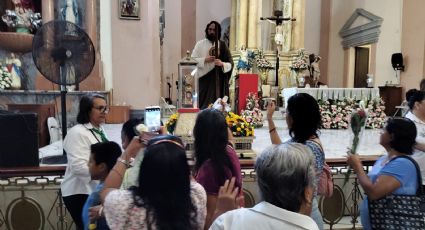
(170,125)
(239,126)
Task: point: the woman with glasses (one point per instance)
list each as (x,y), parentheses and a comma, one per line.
(77,184)
(166,196)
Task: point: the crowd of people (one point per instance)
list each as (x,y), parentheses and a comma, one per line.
(148,184)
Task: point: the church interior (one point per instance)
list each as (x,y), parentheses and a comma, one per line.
(139,55)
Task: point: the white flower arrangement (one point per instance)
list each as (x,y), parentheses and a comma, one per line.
(336,113)
(5,79)
(252,114)
(376,116)
(300,63)
(262,62)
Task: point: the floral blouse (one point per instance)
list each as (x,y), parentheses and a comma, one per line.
(319,157)
(121,212)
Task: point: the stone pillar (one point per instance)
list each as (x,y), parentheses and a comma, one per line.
(258,23)
(412,44)
(233,19)
(298,12)
(47,10)
(252,24)
(91,21)
(95,80)
(48,14)
(242,24)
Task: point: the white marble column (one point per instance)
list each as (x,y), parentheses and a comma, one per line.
(233,19)
(252,24)
(242,24)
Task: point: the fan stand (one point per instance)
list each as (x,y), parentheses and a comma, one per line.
(62,43)
(60,159)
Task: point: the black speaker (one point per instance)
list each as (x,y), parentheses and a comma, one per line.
(18,140)
(397,61)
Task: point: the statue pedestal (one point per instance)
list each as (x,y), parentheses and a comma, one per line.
(186,122)
(266,89)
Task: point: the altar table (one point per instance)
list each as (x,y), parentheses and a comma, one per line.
(332,93)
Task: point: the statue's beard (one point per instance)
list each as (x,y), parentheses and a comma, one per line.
(211,37)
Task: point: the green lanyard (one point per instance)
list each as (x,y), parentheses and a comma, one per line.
(101,134)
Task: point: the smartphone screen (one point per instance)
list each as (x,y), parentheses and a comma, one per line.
(153,118)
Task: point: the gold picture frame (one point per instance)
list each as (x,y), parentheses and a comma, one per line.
(129,9)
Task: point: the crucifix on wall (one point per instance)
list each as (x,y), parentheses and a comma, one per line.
(278,19)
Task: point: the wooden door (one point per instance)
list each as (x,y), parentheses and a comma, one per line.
(361,67)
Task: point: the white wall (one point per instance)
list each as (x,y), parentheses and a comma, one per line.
(208,10)
(106,42)
(312,26)
(389,39)
(171,45)
(135,60)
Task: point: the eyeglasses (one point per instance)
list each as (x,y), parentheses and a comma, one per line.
(102,108)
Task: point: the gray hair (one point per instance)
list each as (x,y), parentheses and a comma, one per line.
(284,172)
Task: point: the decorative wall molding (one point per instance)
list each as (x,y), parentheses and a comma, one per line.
(361,35)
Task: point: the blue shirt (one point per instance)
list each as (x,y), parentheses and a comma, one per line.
(402,170)
(93,200)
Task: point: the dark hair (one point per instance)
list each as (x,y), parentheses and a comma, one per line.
(414,95)
(217,27)
(106,152)
(85,107)
(305,114)
(164,185)
(422,85)
(403,134)
(128,128)
(211,138)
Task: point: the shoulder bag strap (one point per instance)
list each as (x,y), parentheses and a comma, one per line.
(316,141)
(420,191)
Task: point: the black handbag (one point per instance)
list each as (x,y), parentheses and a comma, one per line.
(399,211)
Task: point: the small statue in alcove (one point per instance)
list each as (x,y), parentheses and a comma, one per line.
(70,12)
(21,17)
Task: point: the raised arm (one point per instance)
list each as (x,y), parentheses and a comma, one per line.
(274,136)
(384,184)
(115,176)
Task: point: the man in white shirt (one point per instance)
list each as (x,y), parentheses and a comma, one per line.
(210,68)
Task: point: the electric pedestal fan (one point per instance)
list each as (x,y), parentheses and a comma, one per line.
(64,54)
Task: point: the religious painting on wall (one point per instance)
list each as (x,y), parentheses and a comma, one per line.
(129,9)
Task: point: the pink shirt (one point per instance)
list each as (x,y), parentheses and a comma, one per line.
(207,175)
